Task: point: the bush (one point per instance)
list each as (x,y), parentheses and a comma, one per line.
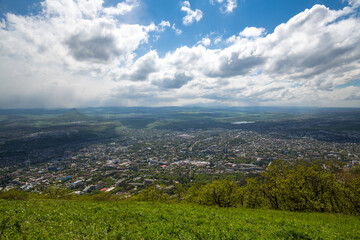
(15,195)
(309,186)
(104,197)
(351,189)
(223,193)
(57,193)
(253,196)
(152,194)
(192,194)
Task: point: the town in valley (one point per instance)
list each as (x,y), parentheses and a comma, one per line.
(87,151)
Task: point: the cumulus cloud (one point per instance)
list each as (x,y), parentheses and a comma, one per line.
(355,3)
(217,40)
(313,45)
(67,41)
(2,23)
(92,48)
(81,35)
(205,41)
(76,54)
(191,15)
(121,8)
(251,32)
(177,31)
(231,39)
(227,6)
(139,71)
(234,65)
(176,81)
(163,25)
(313,52)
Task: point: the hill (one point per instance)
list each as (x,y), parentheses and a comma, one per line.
(73,115)
(60,219)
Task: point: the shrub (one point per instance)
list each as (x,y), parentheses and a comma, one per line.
(253,194)
(15,195)
(223,193)
(104,197)
(152,194)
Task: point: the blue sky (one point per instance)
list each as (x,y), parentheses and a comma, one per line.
(256,13)
(77,53)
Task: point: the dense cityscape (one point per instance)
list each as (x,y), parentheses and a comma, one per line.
(143,157)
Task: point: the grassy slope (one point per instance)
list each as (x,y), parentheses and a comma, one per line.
(51,219)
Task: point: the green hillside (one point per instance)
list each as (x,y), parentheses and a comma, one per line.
(73,115)
(61,219)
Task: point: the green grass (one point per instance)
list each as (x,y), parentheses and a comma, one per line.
(56,219)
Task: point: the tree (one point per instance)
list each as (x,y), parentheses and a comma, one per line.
(302,186)
(351,183)
(253,194)
(153,194)
(223,193)
(274,183)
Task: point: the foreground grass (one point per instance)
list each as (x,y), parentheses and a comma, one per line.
(55,219)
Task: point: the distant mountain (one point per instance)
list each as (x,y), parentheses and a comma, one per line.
(73,115)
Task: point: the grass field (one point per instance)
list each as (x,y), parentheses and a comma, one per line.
(60,219)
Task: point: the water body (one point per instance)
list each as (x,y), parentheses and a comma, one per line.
(243,122)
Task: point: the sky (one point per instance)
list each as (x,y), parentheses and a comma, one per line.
(95,53)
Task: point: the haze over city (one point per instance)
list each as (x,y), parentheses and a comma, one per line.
(78,53)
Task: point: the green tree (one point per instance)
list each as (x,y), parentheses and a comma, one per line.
(274,183)
(152,194)
(351,183)
(302,186)
(253,194)
(223,193)
(192,194)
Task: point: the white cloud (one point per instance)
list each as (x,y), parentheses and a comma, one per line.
(77,32)
(227,6)
(191,15)
(177,31)
(62,49)
(355,3)
(72,57)
(140,70)
(177,80)
(205,41)
(231,39)
(2,23)
(121,8)
(163,25)
(301,62)
(252,32)
(217,40)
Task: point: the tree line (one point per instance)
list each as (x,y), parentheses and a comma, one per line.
(292,186)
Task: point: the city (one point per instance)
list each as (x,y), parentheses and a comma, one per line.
(143,157)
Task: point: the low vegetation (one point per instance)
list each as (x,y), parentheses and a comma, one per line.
(270,207)
(296,186)
(64,219)
(300,186)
